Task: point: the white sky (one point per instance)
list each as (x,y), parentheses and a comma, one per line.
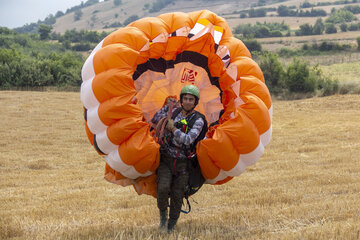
(16,13)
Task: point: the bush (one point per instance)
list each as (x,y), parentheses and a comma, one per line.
(37,63)
(330,28)
(259,12)
(343,27)
(319,27)
(298,77)
(261,30)
(44,31)
(306,4)
(82,46)
(252,44)
(273,71)
(130,19)
(358,43)
(305,30)
(287,52)
(353,27)
(341,16)
(243,15)
(78,14)
(325,87)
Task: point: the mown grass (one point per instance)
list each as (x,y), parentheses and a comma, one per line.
(305,186)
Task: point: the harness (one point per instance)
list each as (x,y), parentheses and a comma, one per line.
(185,126)
(196,179)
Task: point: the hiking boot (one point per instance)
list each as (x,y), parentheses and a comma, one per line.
(171,225)
(163,219)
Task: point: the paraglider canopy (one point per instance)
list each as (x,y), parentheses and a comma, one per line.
(128,76)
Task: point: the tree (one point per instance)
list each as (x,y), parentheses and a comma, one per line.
(44,31)
(305,30)
(343,27)
(78,14)
(59,14)
(319,27)
(330,28)
(130,19)
(252,44)
(306,4)
(117,2)
(262,31)
(341,16)
(283,11)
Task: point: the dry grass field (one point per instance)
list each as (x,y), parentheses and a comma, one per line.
(306,185)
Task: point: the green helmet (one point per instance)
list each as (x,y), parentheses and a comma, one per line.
(190,89)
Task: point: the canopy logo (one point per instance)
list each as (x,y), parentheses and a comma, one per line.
(188,75)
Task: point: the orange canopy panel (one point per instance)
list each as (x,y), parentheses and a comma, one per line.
(129,75)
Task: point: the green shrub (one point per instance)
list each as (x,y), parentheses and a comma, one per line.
(358,43)
(82,46)
(287,52)
(343,27)
(273,71)
(341,16)
(252,44)
(353,27)
(298,78)
(131,19)
(78,14)
(325,87)
(330,28)
(319,27)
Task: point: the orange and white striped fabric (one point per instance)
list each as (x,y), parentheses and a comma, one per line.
(130,73)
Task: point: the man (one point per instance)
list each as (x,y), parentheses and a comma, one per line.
(184,130)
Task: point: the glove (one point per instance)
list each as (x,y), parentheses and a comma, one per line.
(170,125)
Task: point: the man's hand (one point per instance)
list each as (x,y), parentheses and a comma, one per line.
(170,125)
(171,101)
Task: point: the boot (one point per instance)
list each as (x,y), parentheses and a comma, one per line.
(163,219)
(171,225)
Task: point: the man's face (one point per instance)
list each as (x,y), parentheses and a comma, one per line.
(188,102)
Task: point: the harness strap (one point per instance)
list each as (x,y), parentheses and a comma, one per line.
(174,164)
(188,203)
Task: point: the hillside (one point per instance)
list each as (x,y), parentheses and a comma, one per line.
(96,16)
(105,16)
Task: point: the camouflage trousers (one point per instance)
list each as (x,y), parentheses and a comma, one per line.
(172,180)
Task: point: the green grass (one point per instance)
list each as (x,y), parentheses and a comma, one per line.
(344,72)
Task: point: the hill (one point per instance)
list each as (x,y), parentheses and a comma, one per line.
(306,185)
(99,15)
(96,16)
(106,16)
